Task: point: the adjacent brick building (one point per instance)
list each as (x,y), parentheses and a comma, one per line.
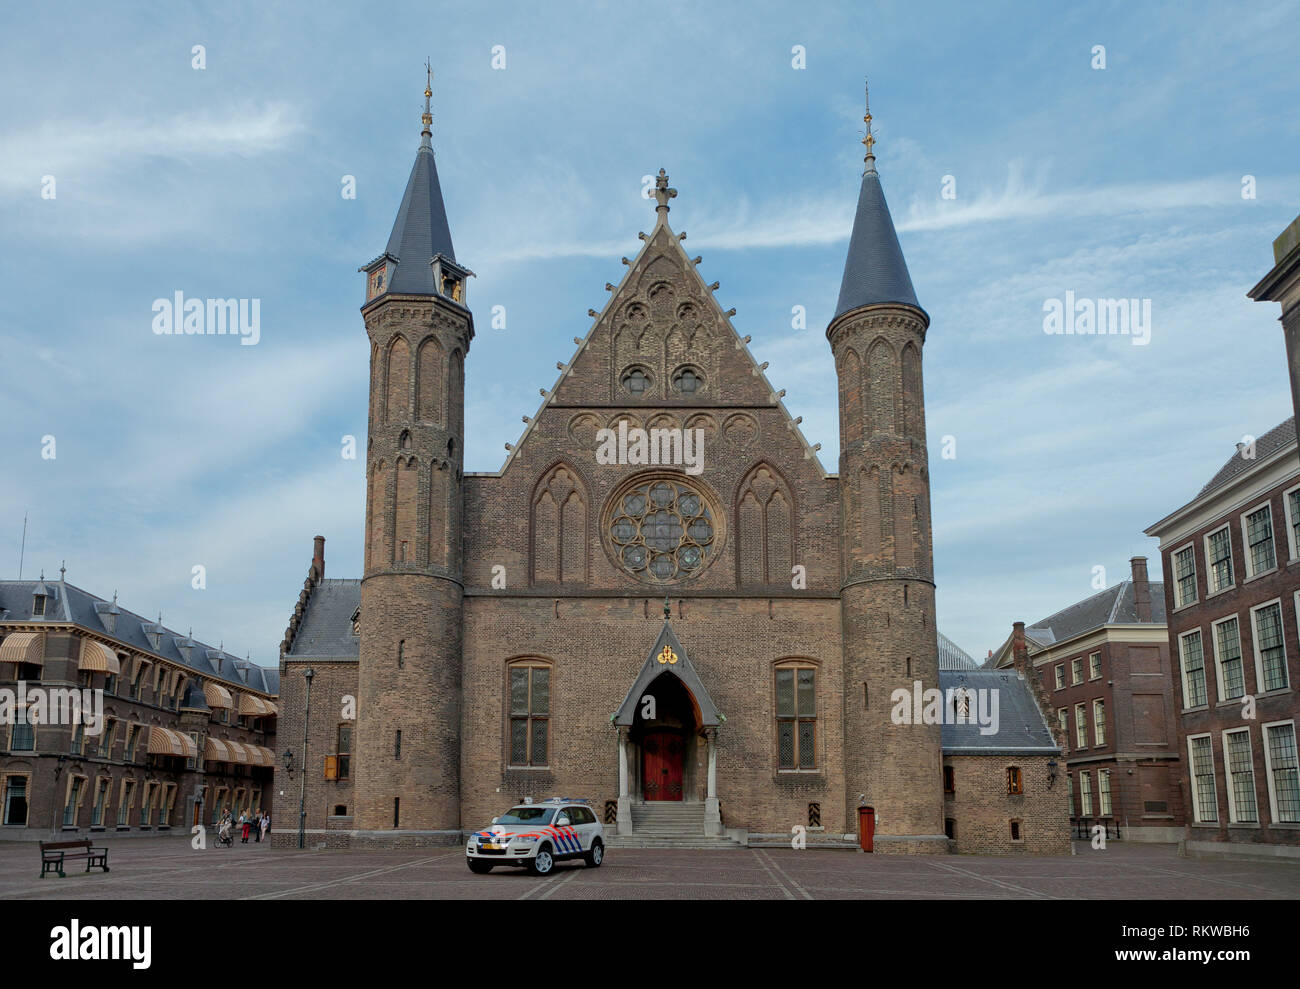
(188,730)
(635,627)
(1232,590)
(1103,664)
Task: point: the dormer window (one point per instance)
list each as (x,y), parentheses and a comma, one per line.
(451,288)
(356,622)
(38,605)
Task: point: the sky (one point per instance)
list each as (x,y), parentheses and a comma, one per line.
(1163,176)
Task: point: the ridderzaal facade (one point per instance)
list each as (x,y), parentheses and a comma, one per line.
(661,602)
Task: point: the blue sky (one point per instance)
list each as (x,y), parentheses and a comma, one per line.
(177,451)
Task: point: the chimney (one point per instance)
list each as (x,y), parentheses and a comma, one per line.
(1020,649)
(318,558)
(1141,589)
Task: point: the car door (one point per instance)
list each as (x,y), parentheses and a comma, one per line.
(584,822)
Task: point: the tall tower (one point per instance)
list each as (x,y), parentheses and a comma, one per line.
(887,591)
(407,766)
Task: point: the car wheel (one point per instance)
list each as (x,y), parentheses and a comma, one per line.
(479,866)
(596,855)
(543,862)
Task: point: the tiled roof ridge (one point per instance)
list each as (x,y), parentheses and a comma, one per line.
(1266,444)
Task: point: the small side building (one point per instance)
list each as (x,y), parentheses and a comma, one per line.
(1003,792)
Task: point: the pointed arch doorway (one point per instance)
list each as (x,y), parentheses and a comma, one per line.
(667,736)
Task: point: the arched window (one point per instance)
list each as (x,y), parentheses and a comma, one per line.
(796,715)
(528,687)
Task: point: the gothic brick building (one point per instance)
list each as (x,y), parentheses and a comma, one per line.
(662,601)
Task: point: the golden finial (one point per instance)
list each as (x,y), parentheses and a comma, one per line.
(870,158)
(427,117)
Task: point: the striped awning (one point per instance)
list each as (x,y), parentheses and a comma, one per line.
(98,658)
(22,647)
(216,695)
(253,705)
(238,753)
(259,756)
(214,750)
(164,741)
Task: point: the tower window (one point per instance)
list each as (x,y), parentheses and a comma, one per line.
(1015,831)
(397,811)
(343,749)
(401,655)
(397,744)
(949,781)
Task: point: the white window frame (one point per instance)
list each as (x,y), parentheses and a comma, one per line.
(1182,669)
(1075,681)
(1209,565)
(1060,676)
(1245,539)
(1063,720)
(1227,774)
(1081,725)
(1191,776)
(1085,793)
(1097,675)
(1260,687)
(1098,701)
(1105,796)
(1220,686)
(1290,531)
(1268,764)
(1173,575)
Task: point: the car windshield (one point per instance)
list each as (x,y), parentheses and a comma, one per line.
(527,815)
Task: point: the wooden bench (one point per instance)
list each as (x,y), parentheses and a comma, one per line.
(55,853)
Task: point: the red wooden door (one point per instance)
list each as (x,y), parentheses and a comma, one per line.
(866,827)
(663,754)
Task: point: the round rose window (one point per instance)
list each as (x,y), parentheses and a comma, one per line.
(662,530)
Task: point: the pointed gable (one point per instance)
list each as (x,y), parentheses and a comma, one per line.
(657,664)
(663,320)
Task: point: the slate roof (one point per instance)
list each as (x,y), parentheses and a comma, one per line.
(420,230)
(80,607)
(325,631)
(1113,606)
(1020,724)
(874,270)
(1275,439)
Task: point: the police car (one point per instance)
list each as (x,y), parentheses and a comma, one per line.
(538,835)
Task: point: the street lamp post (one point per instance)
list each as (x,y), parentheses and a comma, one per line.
(302,792)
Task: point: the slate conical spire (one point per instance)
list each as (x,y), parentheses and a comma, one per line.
(420,231)
(874,271)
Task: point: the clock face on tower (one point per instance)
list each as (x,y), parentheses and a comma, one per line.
(377,281)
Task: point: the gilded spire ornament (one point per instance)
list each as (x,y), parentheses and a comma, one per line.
(869,160)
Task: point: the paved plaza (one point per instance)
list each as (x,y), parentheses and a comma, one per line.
(168,869)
